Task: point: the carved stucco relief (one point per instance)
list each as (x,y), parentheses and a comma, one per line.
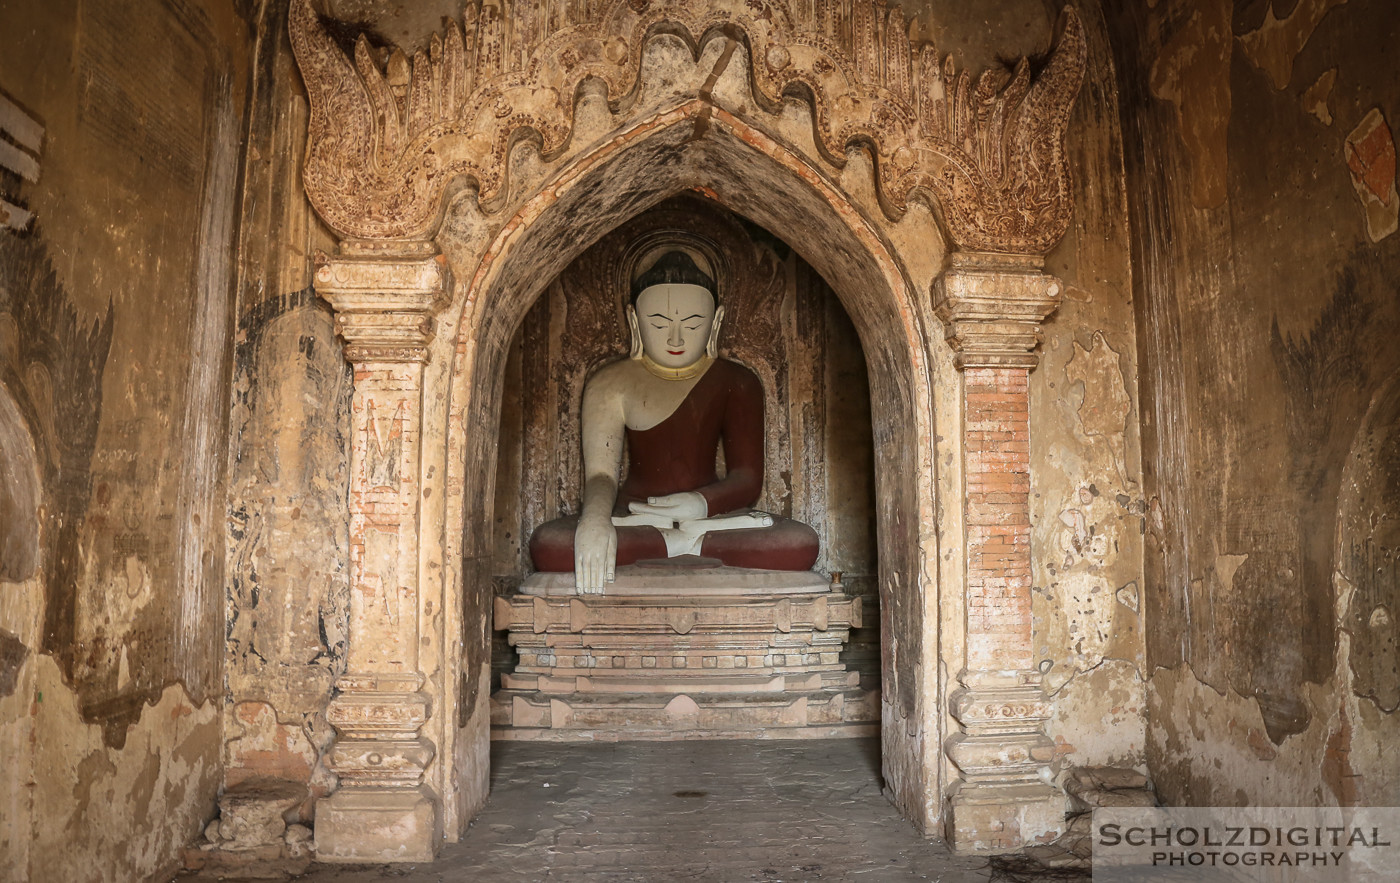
(388,142)
(392,140)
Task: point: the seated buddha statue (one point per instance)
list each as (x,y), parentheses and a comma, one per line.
(674,402)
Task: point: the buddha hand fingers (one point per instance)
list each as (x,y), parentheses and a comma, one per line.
(684,506)
(587,572)
(610,562)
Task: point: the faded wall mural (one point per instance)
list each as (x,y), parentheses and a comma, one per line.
(115,327)
(1260,163)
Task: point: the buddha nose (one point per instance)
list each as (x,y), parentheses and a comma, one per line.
(674,338)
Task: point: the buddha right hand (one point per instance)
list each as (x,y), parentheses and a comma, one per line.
(595,554)
(684,506)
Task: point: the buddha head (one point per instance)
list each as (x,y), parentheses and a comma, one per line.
(674,316)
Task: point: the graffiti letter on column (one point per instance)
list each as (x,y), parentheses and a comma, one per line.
(383,447)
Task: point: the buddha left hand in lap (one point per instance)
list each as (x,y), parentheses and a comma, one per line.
(674,403)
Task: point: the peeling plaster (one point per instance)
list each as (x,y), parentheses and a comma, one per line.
(96,813)
(1103,412)
(1225,568)
(1318,94)
(1276,44)
(1207,748)
(1193,73)
(1212,748)
(260,744)
(1370,157)
(1087,613)
(1243,446)
(1101,717)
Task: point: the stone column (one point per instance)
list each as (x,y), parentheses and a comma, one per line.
(383,811)
(992,306)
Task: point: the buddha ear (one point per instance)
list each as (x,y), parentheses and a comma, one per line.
(712,347)
(636,352)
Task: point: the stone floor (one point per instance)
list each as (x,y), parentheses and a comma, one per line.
(687,811)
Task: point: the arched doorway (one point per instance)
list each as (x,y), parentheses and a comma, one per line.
(776,114)
(783,322)
(892,331)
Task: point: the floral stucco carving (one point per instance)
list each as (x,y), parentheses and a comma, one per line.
(388,139)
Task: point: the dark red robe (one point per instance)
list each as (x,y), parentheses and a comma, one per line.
(678,454)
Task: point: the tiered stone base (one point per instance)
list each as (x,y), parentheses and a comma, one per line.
(681,652)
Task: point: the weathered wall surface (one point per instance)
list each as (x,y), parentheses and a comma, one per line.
(1087,505)
(115,340)
(287,593)
(1261,164)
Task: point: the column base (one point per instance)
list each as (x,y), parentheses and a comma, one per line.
(378,825)
(992,819)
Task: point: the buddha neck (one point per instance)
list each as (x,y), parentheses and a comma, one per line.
(689,372)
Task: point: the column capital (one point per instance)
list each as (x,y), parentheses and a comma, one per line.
(992,306)
(384,302)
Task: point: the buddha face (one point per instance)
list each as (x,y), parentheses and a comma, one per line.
(674,322)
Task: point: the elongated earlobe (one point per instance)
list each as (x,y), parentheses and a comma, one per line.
(636,352)
(712,347)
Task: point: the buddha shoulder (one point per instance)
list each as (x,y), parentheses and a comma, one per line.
(615,378)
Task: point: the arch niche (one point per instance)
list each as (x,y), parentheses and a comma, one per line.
(564,122)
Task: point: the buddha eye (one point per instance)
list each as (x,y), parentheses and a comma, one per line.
(695,327)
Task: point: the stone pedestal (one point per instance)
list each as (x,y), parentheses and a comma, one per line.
(378,825)
(1006,799)
(679,653)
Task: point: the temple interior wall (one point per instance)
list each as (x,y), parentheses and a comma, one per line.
(1087,501)
(115,333)
(1260,158)
(1213,417)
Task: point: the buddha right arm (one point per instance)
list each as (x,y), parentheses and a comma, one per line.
(595,539)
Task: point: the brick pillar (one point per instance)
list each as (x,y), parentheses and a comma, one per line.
(382,810)
(992,306)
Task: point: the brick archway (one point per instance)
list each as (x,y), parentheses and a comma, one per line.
(430,284)
(890,320)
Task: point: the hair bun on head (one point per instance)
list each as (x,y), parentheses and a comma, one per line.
(674,267)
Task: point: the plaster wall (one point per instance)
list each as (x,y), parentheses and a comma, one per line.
(115,329)
(1087,505)
(1085,462)
(287,598)
(1260,157)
